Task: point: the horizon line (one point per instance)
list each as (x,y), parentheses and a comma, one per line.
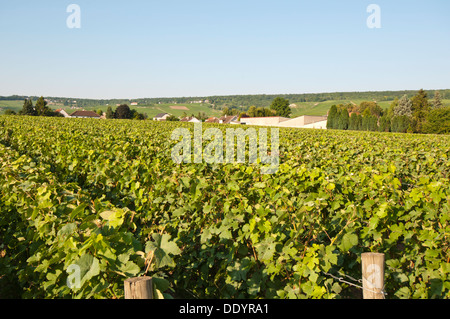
(216,95)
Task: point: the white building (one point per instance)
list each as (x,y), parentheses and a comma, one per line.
(190,119)
(64,113)
(85,115)
(306,121)
(161,117)
(264,121)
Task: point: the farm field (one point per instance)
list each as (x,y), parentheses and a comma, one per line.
(107,198)
(322,108)
(11,105)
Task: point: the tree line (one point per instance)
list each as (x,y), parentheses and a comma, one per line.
(124,112)
(416,115)
(242,102)
(279,107)
(41,108)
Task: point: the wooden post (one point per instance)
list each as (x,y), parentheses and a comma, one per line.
(139,288)
(373,275)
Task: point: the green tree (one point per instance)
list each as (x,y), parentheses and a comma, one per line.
(260,112)
(229,111)
(28,108)
(353,122)
(400,124)
(172,118)
(438,121)
(202,116)
(332,118)
(385,123)
(392,107)
(109,113)
(437,103)
(123,112)
(365,123)
(404,107)
(252,111)
(225,111)
(243,115)
(281,107)
(373,123)
(359,123)
(373,108)
(10,112)
(420,108)
(366,120)
(41,107)
(343,119)
(138,116)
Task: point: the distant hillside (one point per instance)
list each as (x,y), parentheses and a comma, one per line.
(303,104)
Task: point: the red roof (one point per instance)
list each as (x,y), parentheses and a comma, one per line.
(228,119)
(84,114)
(212,120)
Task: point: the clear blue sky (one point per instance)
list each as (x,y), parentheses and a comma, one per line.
(133,49)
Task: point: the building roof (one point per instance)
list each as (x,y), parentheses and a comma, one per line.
(228,119)
(190,119)
(160,115)
(264,121)
(303,120)
(212,120)
(84,114)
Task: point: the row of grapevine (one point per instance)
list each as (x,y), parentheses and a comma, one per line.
(107,197)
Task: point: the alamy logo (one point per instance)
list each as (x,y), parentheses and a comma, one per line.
(74,19)
(374,20)
(74,278)
(236,140)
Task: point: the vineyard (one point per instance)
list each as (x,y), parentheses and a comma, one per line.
(107,197)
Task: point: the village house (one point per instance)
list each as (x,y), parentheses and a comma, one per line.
(85,115)
(161,117)
(190,119)
(228,119)
(306,121)
(212,120)
(316,122)
(264,121)
(63,113)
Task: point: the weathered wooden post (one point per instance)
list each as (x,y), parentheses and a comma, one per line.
(139,288)
(373,275)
